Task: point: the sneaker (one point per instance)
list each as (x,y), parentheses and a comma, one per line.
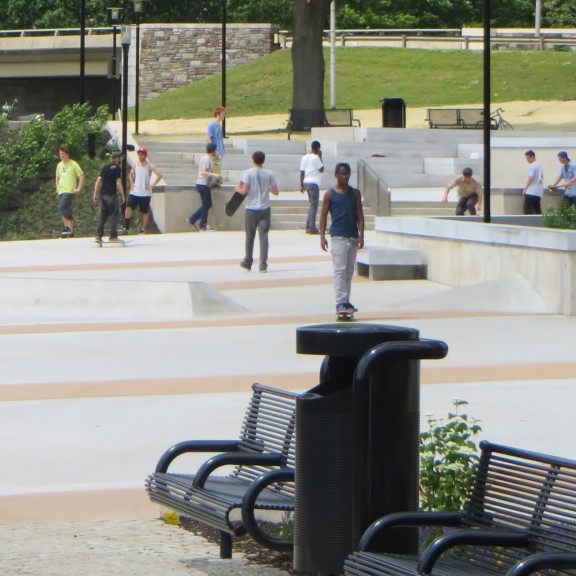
(66,233)
(263,268)
(114,240)
(245,265)
(193,224)
(342,308)
(351,307)
(314,231)
(98,240)
(207,228)
(142,231)
(123,231)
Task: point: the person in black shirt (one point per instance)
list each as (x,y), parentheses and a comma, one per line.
(111,180)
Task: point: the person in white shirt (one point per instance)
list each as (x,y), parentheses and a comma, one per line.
(534,187)
(311,168)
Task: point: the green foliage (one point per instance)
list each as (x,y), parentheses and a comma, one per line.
(448,456)
(564,218)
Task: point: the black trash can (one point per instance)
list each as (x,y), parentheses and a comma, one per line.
(357,446)
(393,113)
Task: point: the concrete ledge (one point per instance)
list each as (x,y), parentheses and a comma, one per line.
(390,263)
(461,251)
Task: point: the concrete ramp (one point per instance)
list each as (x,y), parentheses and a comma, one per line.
(512,295)
(71,300)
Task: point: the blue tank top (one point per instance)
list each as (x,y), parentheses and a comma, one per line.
(343,214)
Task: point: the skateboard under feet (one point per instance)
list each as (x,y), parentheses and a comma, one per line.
(345,317)
(101,242)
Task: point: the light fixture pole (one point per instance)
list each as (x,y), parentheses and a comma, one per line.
(137,12)
(223,2)
(82,50)
(114,17)
(126,39)
(487,123)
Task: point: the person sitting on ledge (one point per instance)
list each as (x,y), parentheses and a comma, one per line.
(469,193)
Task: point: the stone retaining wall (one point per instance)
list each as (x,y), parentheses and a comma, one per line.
(174,55)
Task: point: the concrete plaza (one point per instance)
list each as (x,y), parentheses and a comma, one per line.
(111,355)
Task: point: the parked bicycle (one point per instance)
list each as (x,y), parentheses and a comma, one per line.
(8,109)
(498,122)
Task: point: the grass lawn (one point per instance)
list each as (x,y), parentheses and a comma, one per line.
(423,78)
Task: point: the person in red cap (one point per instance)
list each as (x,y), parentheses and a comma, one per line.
(141,185)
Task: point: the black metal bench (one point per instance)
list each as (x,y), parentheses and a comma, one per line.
(520,519)
(263,477)
(456,118)
(304,120)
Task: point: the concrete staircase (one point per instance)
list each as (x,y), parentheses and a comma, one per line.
(415,164)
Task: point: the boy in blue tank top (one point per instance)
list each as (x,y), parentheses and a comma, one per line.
(344,204)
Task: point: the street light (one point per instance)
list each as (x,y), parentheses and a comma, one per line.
(137,12)
(82,50)
(114,17)
(223,2)
(126,39)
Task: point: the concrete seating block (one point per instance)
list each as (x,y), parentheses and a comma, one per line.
(390,263)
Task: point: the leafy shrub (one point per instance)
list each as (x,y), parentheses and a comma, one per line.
(563,218)
(448,457)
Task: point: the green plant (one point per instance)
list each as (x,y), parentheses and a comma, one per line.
(563,218)
(448,456)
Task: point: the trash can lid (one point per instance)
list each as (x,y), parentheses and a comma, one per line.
(348,339)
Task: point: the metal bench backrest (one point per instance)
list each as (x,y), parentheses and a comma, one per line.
(339,117)
(443,117)
(269,427)
(517,489)
(472,117)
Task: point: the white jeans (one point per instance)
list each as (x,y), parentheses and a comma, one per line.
(343,260)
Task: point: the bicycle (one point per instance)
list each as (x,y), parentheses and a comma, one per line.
(497,121)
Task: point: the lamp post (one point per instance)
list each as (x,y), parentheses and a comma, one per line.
(486,12)
(82,50)
(126,39)
(137,12)
(223,2)
(114,17)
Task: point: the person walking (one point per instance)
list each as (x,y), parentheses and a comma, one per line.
(69,181)
(469,193)
(141,186)
(344,204)
(257,184)
(534,187)
(215,135)
(111,180)
(311,169)
(568,174)
(205,174)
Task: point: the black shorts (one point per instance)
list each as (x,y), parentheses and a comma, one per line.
(65,205)
(141,202)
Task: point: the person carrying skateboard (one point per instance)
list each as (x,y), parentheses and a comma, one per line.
(344,204)
(111,180)
(205,174)
(256,184)
(215,135)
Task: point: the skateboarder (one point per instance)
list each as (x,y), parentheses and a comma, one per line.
(311,168)
(69,181)
(344,204)
(256,184)
(111,180)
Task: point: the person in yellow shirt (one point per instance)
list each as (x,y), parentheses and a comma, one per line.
(69,181)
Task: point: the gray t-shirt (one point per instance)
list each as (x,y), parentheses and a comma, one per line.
(260,180)
(204,164)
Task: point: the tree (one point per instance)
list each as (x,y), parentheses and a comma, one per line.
(309,18)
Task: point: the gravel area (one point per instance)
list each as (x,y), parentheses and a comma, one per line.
(116,547)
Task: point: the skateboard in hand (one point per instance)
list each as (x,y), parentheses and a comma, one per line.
(234,203)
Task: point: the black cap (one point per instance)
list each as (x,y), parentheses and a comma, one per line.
(116,155)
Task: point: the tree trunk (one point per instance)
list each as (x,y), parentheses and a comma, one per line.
(308,63)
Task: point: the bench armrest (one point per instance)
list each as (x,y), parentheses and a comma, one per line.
(542,561)
(234,459)
(189,446)
(472,537)
(285,475)
(403,519)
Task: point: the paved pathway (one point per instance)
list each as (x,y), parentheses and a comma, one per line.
(91,393)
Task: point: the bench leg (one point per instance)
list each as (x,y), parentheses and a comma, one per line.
(225,545)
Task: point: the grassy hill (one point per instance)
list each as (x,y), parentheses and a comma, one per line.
(424,78)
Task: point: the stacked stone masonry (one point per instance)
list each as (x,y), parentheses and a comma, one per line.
(172,56)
